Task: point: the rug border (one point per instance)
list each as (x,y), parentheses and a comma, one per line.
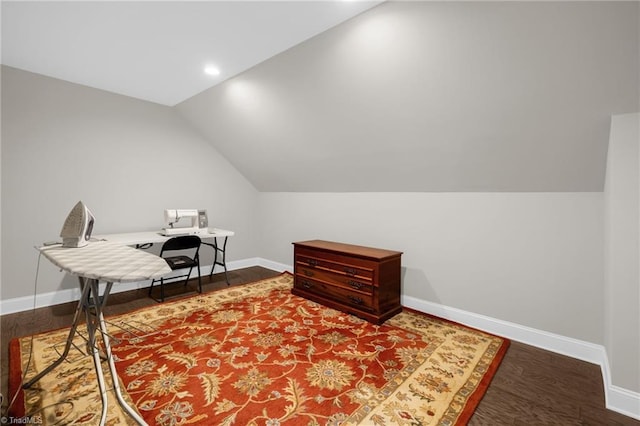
(474,399)
(15,380)
(191,296)
(453,322)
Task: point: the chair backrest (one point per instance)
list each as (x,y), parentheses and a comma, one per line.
(181,242)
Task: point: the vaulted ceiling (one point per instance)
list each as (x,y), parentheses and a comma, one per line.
(435,96)
(424,96)
(157,50)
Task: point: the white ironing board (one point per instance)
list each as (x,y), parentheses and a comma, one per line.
(111,263)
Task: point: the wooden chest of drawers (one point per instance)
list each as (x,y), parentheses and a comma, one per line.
(362,281)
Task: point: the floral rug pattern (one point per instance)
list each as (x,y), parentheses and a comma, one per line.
(258,355)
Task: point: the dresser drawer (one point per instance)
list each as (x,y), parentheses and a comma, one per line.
(340,280)
(342,295)
(344,269)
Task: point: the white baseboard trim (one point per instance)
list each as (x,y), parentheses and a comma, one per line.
(20,304)
(623,401)
(617,399)
(275,266)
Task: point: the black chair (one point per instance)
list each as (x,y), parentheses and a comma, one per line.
(180,261)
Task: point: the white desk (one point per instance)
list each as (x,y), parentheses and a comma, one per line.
(109,262)
(151,237)
(147,239)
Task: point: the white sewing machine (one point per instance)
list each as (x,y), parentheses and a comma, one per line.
(198,222)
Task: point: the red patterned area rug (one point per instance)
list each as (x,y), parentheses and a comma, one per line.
(258,355)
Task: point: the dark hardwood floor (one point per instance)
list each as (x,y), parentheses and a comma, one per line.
(531,387)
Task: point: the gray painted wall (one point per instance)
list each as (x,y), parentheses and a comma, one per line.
(434,96)
(622,251)
(126,159)
(532,259)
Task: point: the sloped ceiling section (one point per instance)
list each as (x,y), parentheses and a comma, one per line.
(430,96)
(157,50)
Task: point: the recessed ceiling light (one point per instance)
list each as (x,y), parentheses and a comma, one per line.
(211,70)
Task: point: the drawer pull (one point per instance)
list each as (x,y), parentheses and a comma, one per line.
(308,272)
(306,284)
(356,300)
(313,262)
(350,271)
(355,285)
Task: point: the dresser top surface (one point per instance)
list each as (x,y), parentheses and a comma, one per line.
(351,249)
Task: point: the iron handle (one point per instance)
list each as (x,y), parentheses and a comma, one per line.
(306,284)
(308,272)
(350,271)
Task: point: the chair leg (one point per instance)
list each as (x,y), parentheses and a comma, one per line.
(161,289)
(186,281)
(199,277)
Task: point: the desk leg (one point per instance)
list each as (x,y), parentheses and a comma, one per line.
(223,251)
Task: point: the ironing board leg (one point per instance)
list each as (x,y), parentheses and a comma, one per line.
(76,319)
(92,318)
(112,365)
(90,299)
